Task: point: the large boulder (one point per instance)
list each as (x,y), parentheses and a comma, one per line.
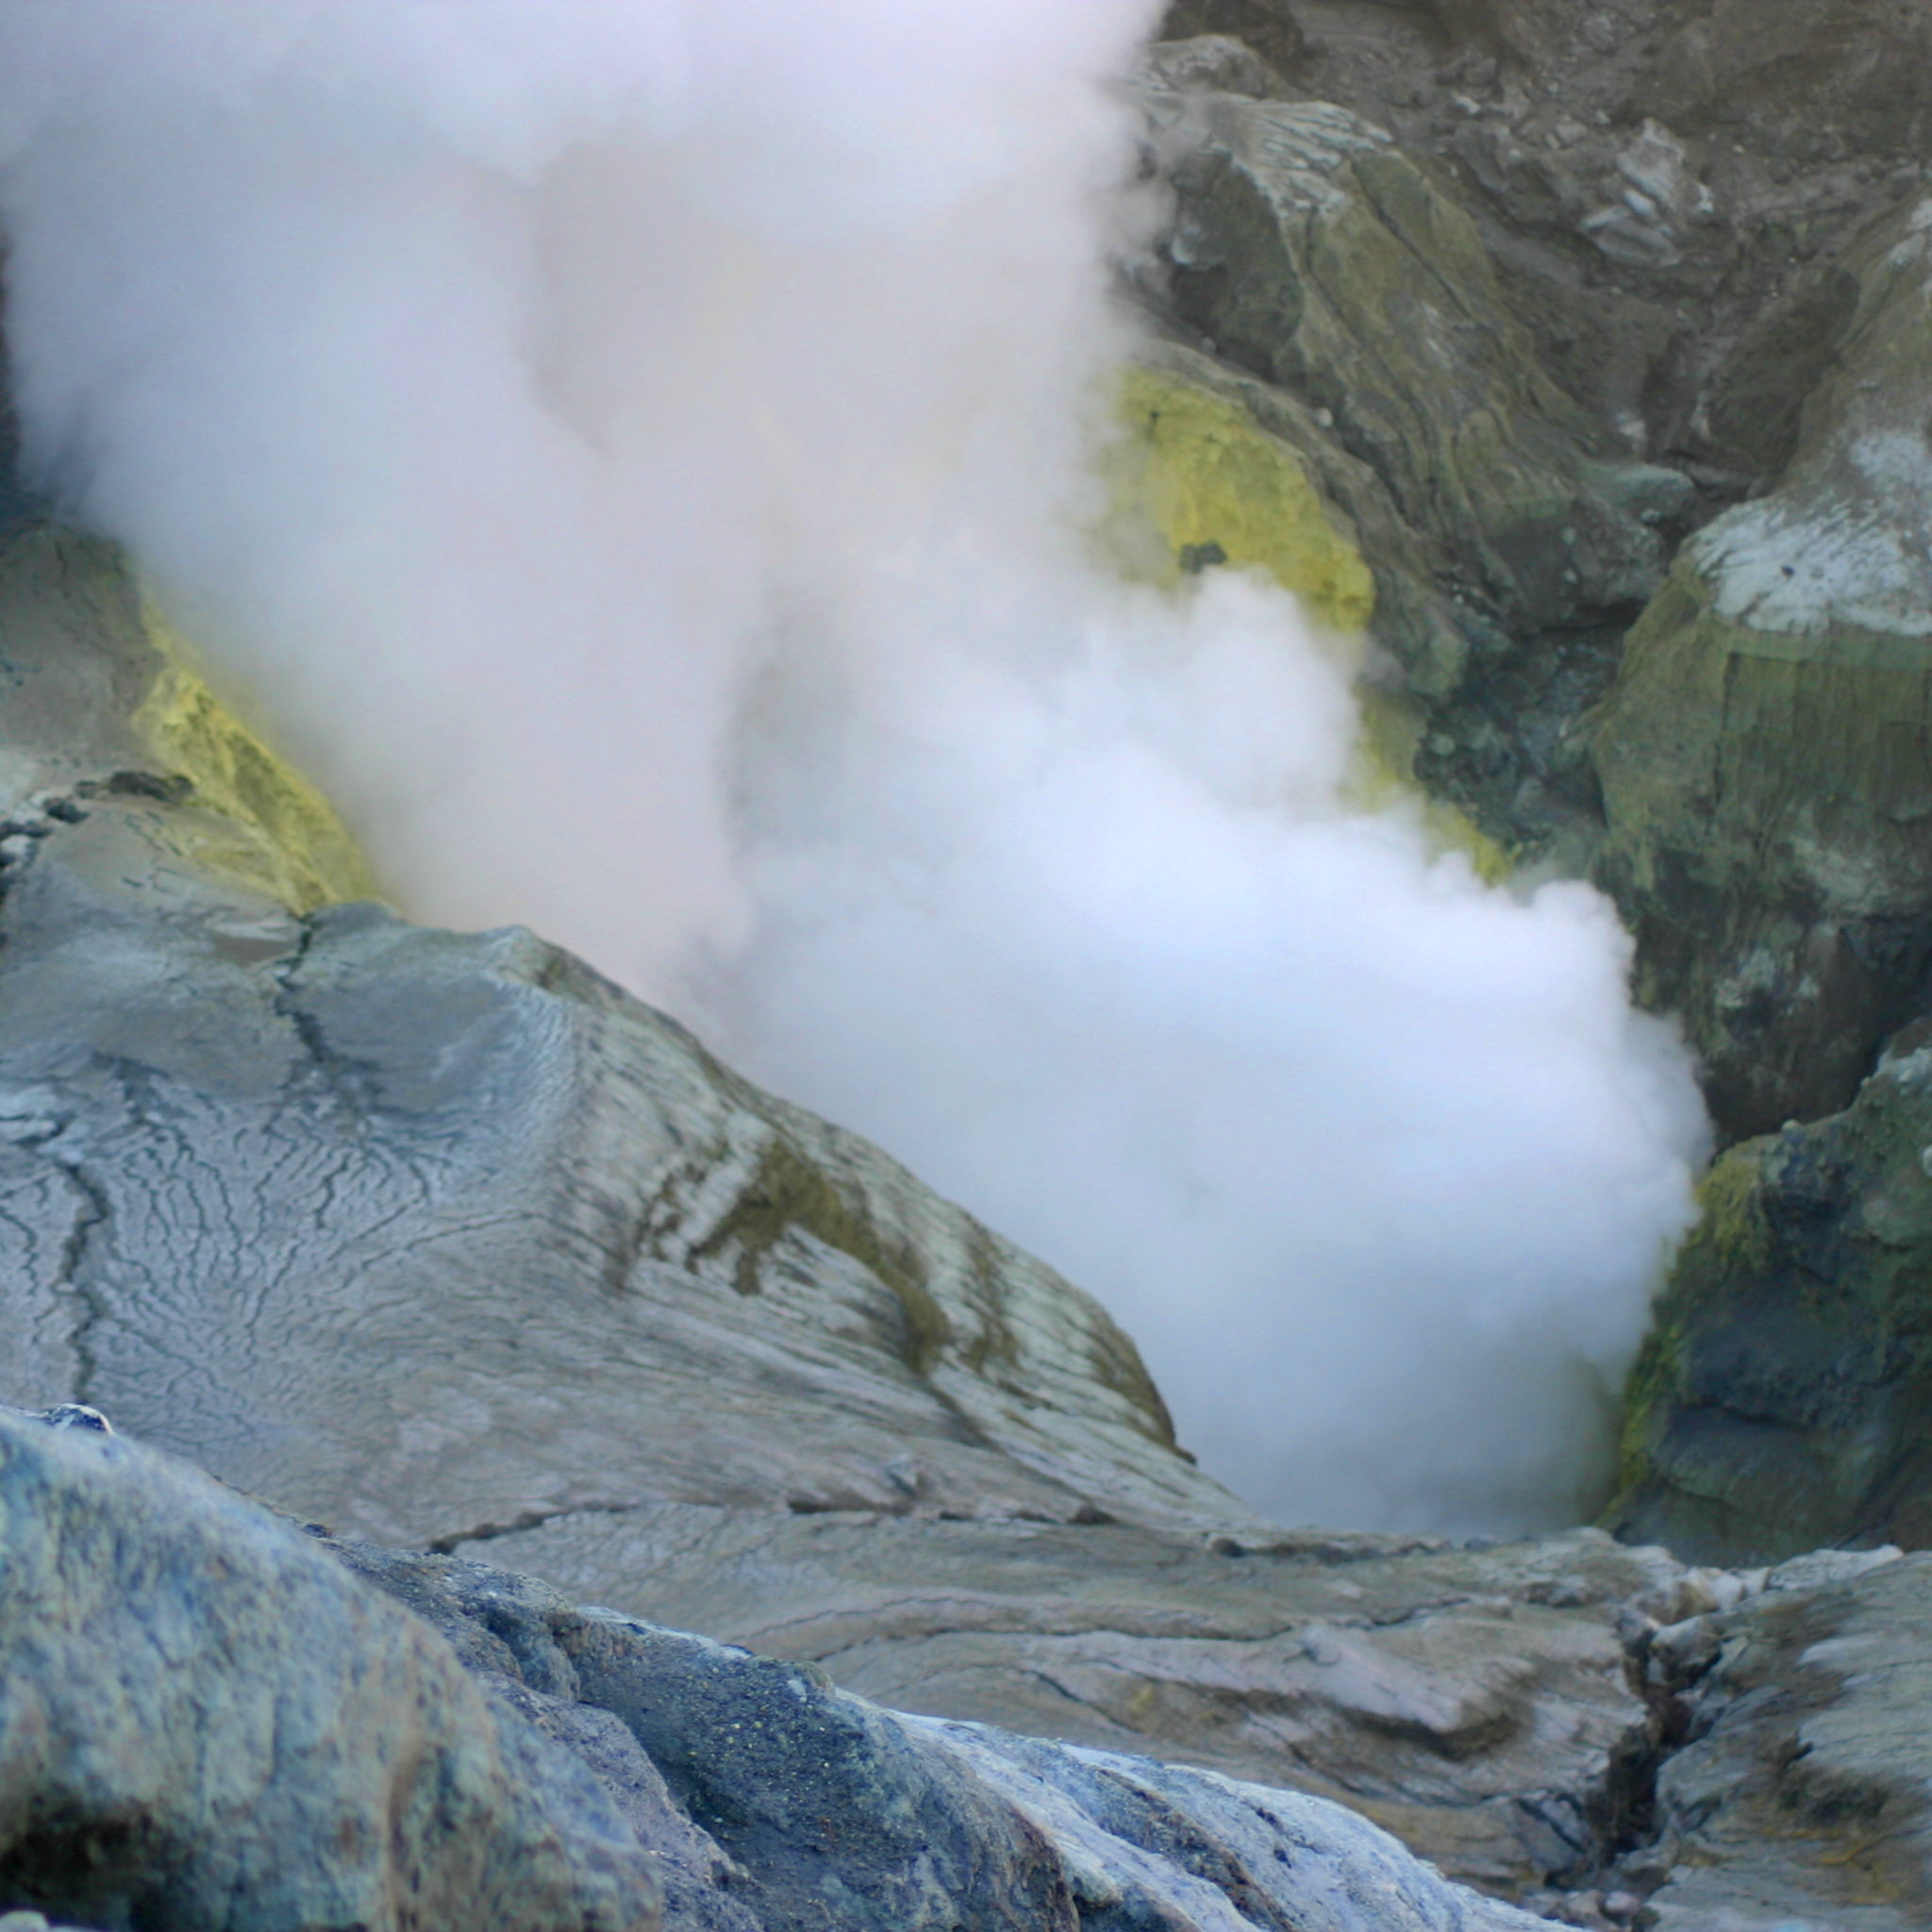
(208,1725)
(1763,753)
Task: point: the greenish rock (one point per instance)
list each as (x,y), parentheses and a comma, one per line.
(1763,753)
(1310,251)
(1784,1399)
(1322,522)
(1219,468)
(1336,288)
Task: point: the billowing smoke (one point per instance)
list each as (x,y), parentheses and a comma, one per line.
(640,455)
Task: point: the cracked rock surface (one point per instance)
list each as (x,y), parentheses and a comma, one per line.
(431,1235)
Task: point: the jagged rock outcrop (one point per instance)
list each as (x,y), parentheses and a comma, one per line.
(1309,250)
(1352,310)
(538,1764)
(1799,1796)
(1655,229)
(1648,176)
(1785,1397)
(208,1724)
(1764,754)
(1738,293)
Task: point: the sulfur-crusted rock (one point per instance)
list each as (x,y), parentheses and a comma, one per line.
(1220,487)
(1784,1399)
(206,1725)
(103,701)
(1316,277)
(1307,249)
(1764,753)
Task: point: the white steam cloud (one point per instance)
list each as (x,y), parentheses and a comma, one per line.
(638,450)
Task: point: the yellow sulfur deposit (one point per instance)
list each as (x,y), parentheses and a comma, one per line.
(1219,489)
(268,828)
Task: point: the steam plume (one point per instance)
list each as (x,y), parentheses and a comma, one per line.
(639,450)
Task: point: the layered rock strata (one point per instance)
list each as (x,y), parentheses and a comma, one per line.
(1764,754)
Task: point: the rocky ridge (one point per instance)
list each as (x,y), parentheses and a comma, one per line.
(458,1747)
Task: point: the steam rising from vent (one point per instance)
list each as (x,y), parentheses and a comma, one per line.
(640,452)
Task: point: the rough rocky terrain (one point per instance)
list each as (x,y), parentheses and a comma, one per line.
(441,1241)
(1508,331)
(452,1744)
(207,1724)
(1580,331)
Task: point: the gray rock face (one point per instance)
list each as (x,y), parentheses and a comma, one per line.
(197,1699)
(1802,1796)
(207,1721)
(1762,754)
(1474,1702)
(205,1726)
(825,1808)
